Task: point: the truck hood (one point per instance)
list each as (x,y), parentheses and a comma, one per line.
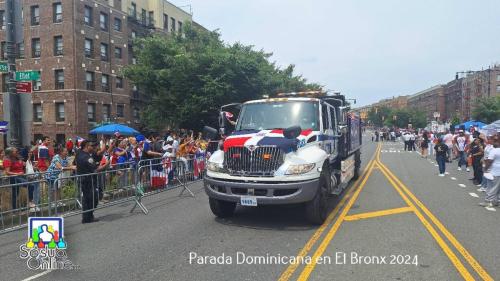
(248,138)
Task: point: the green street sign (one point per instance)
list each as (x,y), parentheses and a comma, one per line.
(4,67)
(27,75)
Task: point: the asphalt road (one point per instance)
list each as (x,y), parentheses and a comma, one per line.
(398,212)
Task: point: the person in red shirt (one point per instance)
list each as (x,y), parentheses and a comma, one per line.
(44,155)
(14,168)
(69,146)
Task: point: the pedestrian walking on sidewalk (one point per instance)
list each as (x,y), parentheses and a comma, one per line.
(441,149)
(493,165)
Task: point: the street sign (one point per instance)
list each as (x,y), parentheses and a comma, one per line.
(27,75)
(23,87)
(4,67)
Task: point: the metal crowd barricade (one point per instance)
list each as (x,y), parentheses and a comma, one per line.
(123,183)
(28,197)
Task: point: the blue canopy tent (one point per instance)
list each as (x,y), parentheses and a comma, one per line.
(467,124)
(111,129)
(492,128)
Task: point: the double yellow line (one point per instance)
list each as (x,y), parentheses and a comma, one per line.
(405,193)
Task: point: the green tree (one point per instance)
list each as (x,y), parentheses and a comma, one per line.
(487,110)
(186,78)
(379,115)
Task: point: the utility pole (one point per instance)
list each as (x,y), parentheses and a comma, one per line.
(14,100)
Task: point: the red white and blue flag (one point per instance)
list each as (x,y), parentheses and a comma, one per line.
(3,127)
(248,138)
(159,173)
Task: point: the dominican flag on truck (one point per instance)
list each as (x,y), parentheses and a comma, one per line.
(265,137)
(159,173)
(3,127)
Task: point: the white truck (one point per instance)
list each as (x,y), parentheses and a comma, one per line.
(296,148)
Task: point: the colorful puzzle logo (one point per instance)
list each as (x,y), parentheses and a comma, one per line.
(46,233)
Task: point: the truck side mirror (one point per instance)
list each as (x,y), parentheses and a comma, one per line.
(210,132)
(292,132)
(222,119)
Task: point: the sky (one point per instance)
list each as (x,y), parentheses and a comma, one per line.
(366,49)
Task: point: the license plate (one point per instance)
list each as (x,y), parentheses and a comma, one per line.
(248,201)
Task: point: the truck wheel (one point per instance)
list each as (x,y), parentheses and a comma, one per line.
(357,165)
(222,209)
(316,209)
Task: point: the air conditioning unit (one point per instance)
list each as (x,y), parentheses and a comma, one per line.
(36,87)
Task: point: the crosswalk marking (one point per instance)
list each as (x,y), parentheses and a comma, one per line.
(453,178)
(473,194)
(461,185)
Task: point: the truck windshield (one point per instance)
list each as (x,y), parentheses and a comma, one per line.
(279,115)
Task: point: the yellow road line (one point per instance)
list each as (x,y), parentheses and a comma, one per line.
(468,257)
(378,213)
(453,258)
(329,236)
(303,252)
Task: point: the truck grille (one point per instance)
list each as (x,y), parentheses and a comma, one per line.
(262,161)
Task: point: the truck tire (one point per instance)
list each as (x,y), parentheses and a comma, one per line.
(317,209)
(357,164)
(222,209)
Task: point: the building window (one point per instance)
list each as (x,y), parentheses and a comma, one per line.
(103,21)
(57,12)
(498,77)
(20,50)
(498,88)
(38,85)
(35,47)
(118,53)
(180,26)
(118,24)
(91,112)
(89,80)
(87,17)
(151,19)
(133,11)
(165,22)
(104,52)
(105,83)
(59,79)
(60,116)
(89,48)
(119,82)
(35,15)
(133,34)
(58,46)
(135,113)
(3,50)
(119,110)
(134,60)
(143,17)
(106,112)
(37,112)
(2,19)
(172,24)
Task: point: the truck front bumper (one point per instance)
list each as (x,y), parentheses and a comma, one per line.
(267,193)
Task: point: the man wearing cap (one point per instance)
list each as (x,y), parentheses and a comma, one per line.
(88,183)
(462,145)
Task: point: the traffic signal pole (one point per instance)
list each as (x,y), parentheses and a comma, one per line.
(14,100)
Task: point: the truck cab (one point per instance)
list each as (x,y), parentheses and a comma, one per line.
(295,148)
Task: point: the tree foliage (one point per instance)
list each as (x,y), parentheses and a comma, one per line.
(186,78)
(487,110)
(385,116)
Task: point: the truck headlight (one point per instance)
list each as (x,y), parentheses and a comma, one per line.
(214,167)
(299,169)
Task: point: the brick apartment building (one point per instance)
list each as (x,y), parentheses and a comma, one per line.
(80,49)
(429,101)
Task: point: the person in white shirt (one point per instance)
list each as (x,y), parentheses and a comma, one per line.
(448,140)
(431,143)
(487,149)
(493,165)
(413,137)
(406,139)
(461,145)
